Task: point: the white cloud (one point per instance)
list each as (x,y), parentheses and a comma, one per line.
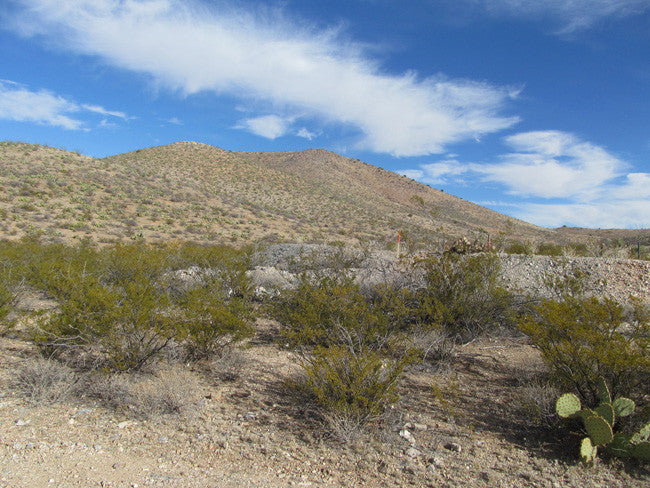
(571,15)
(43,107)
(578,183)
(439,173)
(306,134)
(553,164)
(193,48)
(616,214)
(20,104)
(102,111)
(269,126)
(415,174)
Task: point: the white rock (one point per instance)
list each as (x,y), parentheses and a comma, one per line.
(407,435)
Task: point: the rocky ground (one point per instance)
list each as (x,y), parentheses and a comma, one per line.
(470,423)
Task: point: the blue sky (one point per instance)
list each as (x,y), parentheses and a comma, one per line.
(540,110)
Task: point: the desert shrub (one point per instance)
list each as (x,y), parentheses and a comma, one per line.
(7,299)
(572,282)
(550,249)
(121,328)
(518,247)
(211,318)
(462,295)
(170,390)
(538,395)
(431,346)
(44,381)
(227,364)
(343,334)
(116,309)
(350,388)
(582,339)
(330,310)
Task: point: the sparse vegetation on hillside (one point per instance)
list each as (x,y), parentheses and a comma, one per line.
(191,191)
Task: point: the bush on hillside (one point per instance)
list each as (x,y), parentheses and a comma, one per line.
(462,295)
(582,339)
(350,389)
(211,319)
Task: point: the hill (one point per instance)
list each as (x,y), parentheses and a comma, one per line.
(194,191)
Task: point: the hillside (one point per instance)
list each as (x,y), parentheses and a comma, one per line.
(203,193)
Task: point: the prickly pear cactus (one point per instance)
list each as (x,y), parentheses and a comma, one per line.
(599,430)
(603,392)
(623,406)
(599,424)
(641,450)
(587,450)
(620,445)
(606,411)
(643,434)
(567,405)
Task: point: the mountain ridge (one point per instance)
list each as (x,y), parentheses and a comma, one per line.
(191,190)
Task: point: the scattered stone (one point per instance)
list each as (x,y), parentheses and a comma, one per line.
(407,436)
(21,422)
(124,424)
(422,427)
(413,452)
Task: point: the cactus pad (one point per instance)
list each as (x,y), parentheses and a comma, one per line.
(567,405)
(643,434)
(603,392)
(606,411)
(587,450)
(623,406)
(642,451)
(620,445)
(599,430)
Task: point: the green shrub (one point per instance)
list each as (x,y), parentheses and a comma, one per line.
(121,328)
(211,319)
(462,294)
(582,339)
(331,310)
(518,247)
(549,249)
(350,388)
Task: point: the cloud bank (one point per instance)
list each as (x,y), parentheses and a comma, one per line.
(275,61)
(578,182)
(20,104)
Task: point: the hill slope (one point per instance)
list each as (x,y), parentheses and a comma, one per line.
(195,191)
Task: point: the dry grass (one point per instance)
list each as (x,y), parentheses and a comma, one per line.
(171,390)
(44,382)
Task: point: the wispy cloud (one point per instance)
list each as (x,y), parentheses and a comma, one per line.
(569,15)
(43,107)
(577,182)
(21,104)
(274,60)
(102,111)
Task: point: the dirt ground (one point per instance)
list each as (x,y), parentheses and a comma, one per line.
(471,428)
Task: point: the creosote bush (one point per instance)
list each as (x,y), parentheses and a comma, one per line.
(582,339)
(118,308)
(343,334)
(463,295)
(351,388)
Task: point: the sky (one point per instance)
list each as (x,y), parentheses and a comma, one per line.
(539,110)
